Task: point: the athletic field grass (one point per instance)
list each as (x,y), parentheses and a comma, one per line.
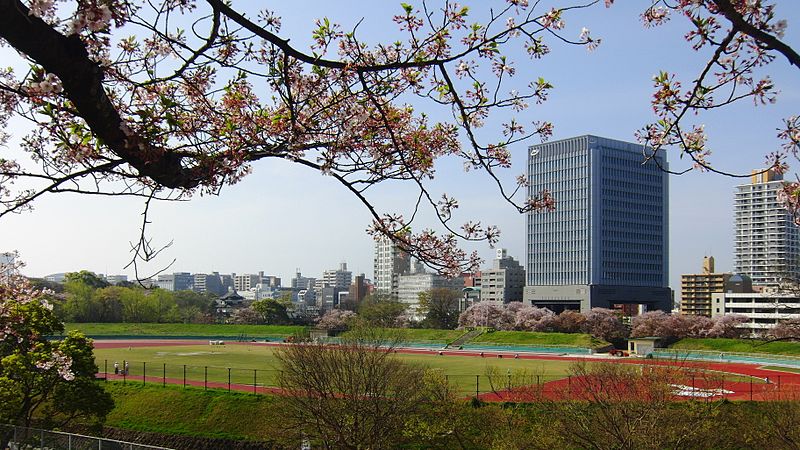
(739,345)
(257,362)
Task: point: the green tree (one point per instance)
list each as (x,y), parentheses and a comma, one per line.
(381,311)
(440,308)
(88,278)
(41,379)
(192,306)
(273,311)
(108,304)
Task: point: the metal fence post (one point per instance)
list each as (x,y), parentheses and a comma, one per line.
(477,386)
(105,370)
(229,379)
(144,373)
(751,389)
(255,377)
(205,377)
(164,377)
(41,438)
(184,375)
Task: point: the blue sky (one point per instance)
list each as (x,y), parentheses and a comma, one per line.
(284,217)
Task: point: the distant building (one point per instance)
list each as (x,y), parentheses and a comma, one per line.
(606,244)
(116,279)
(246,281)
(358,290)
(763,309)
(697,288)
(410,286)
(56,277)
(390,262)
(301,282)
(340,278)
(7,261)
(228,304)
(178,281)
(505,281)
(767,241)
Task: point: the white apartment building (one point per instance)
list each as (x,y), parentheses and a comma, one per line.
(410,286)
(341,278)
(389,263)
(767,246)
(764,309)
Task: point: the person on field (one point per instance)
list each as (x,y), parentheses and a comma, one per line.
(116,368)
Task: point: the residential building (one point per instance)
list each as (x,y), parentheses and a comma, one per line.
(178,281)
(409,287)
(763,309)
(697,288)
(340,278)
(606,242)
(246,281)
(301,282)
(505,281)
(767,241)
(357,290)
(390,262)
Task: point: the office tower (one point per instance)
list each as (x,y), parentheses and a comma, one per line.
(767,241)
(606,244)
(390,262)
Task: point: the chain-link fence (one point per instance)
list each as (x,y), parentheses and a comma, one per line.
(23,438)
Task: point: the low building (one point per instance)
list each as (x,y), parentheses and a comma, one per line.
(178,281)
(763,309)
(505,281)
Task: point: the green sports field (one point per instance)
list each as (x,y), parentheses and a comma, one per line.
(257,362)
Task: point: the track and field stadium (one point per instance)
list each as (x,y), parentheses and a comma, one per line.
(489,374)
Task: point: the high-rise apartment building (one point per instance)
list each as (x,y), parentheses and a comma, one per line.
(505,281)
(390,263)
(606,243)
(767,241)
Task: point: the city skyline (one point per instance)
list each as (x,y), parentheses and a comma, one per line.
(311,223)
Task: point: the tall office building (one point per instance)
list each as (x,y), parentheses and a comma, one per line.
(606,244)
(767,241)
(390,263)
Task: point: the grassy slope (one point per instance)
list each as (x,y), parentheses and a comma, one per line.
(739,345)
(182,329)
(193,412)
(534,338)
(425,335)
